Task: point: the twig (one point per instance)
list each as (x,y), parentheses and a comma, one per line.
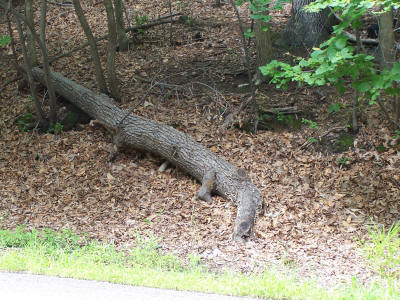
(126,13)
(284,110)
(61,4)
(10,32)
(308,143)
(170,27)
(251,30)
(135,28)
(247,56)
(137,104)
(154,84)
(353,39)
(9,82)
(385,112)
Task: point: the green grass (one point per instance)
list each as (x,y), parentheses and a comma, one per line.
(67,254)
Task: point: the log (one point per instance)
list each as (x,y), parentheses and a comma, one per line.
(176,147)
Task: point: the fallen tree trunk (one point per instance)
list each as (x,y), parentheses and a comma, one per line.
(216,175)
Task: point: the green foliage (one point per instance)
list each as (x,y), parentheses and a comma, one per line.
(4,40)
(141,19)
(381,148)
(313,140)
(18,238)
(147,254)
(56,128)
(311,124)
(334,107)
(249,34)
(335,62)
(279,115)
(26,122)
(21,237)
(260,10)
(346,141)
(188,20)
(382,250)
(278,121)
(344,161)
(70,255)
(66,239)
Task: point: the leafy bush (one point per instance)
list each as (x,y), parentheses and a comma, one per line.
(336,62)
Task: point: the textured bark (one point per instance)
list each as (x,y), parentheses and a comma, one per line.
(45,58)
(46,64)
(171,144)
(306,29)
(43,21)
(111,50)
(28,67)
(31,42)
(101,82)
(123,42)
(387,49)
(263,46)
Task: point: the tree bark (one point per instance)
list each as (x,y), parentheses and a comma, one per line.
(27,64)
(31,42)
(123,42)
(173,145)
(101,82)
(42,37)
(111,51)
(45,58)
(387,49)
(263,46)
(306,29)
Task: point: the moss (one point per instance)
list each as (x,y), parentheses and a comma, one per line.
(70,120)
(26,122)
(346,140)
(380,148)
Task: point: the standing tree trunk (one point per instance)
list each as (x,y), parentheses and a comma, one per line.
(387,55)
(263,45)
(45,59)
(40,117)
(123,42)
(386,40)
(216,174)
(111,49)
(42,37)
(31,43)
(306,29)
(101,82)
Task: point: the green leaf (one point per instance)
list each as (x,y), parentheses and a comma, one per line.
(340,43)
(395,72)
(4,40)
(334,107)
(362,87)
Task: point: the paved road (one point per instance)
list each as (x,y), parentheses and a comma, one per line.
(32,287)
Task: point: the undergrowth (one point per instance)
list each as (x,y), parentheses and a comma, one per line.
(67,254)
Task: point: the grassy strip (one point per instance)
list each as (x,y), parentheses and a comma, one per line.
(69,255)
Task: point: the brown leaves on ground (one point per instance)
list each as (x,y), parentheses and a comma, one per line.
(315,209)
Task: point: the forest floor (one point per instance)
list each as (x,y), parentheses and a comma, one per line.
(319,200)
